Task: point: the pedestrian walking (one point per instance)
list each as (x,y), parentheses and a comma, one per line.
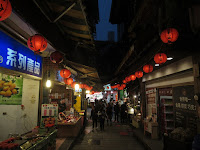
(123,112)
(102,119)
(94,117)
(109,114)
(116,111)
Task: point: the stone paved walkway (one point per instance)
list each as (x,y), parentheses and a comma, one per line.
(115,137)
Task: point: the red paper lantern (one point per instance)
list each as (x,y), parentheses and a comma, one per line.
(148,68)
(81,86)
(127,79)
(132,77)
(139,74)
(68,81)
(65,73)
(160,58)
(73,84)
(123,85)
(124,81)
(5,10)
(37,43)
(117,85)
(56,57)
(169,35)
(84,86)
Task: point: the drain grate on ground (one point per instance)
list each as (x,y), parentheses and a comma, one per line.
(96,142)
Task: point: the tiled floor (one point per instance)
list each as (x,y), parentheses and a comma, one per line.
(115,137)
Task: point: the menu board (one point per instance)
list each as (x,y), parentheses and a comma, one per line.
(185,108)
(151,101)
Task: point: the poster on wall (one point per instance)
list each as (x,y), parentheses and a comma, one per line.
(49,114)
(151,101)
(185,108)
(10,90)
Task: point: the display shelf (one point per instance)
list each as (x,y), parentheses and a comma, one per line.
(167,114)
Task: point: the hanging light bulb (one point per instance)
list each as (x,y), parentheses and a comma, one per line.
(87,91)
(76,87)
(48,83)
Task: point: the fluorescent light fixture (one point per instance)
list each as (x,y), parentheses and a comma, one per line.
(135,96)
(76,86)
(48,83)
(156,65)
(169,58)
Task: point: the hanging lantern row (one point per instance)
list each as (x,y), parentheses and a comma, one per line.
(169,35)
(37,43)
(6,9)
(118,86)
(56,57)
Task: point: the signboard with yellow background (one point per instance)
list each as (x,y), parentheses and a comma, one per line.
(10,90)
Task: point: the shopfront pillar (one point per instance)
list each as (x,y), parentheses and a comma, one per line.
(196,62)
(143,100)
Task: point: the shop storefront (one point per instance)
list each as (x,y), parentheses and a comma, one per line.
(170,104)
(20,78)
(69,102)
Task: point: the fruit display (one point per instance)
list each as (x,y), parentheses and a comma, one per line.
(8,88)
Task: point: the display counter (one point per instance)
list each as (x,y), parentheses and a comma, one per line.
(152,128)
(70,129)
(32,141)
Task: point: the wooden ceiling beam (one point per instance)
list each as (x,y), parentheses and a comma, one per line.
(64,12)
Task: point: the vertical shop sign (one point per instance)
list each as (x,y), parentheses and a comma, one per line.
(77,103)
(16,56)
(185,108)
(151,101)
(10,90)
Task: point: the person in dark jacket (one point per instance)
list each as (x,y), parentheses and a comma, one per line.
(116,110)
(109,114)
(94,117)
(102,119)
(123,112)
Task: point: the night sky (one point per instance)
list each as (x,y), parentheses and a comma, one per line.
(104,25)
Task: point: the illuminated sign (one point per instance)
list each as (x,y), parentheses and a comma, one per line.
(15,56)
(107,87)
